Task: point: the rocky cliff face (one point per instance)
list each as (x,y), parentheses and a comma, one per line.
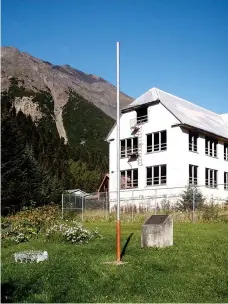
(37,76)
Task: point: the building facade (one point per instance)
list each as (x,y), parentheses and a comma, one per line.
(167,143)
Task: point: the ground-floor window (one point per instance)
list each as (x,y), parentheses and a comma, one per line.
(226,180)
(156,175)
(211,178)
(193,175)
(129,179)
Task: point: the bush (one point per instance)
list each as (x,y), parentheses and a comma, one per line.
(28,223)
(210,212)
(186,202)
(71,232)
(36,217)
(166,206)
(20,232)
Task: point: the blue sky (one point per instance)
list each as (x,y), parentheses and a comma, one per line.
(179,46)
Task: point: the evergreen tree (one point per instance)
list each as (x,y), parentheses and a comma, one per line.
(187,197)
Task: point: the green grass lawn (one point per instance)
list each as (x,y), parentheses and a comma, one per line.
(195,269)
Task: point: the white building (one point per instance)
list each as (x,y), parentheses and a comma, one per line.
(167,143)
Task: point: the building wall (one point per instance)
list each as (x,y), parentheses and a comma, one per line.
(177,157)
(203,161)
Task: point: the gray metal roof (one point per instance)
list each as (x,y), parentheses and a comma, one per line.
(186,112)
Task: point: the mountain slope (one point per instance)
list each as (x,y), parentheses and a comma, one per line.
(39,75)
(54,122)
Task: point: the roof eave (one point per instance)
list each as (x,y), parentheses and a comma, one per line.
(133,108)
(200,130)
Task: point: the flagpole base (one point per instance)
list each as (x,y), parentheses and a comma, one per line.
(115,263)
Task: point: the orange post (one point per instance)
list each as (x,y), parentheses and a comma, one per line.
(118,241)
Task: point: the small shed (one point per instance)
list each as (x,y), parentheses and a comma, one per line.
(77,192)
(157,231)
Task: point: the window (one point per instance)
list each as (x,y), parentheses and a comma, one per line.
(193,174)
(226,180)
(157,141)
(211,178)
(128,146)
(156,175)
(142,115)
(129,179)
(192,140)
(211,146)
(225,151)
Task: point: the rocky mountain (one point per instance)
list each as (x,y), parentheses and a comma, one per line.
(61,85)
(54,120)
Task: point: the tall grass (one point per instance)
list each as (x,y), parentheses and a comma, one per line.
(208,213)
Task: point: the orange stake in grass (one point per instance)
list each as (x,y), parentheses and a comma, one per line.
(118,241)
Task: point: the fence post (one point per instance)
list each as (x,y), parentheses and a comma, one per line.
(132,213)
(106,206)
(62,206)
(82,207)
(193,206)
(155,208)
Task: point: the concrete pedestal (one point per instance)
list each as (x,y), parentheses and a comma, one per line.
(157,231)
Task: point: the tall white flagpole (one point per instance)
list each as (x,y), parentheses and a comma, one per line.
(118,234)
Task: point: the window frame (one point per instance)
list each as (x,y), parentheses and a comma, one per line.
(192,180)
(150,181)
(225,180)
(142,118)
(226,151)
(129,184)
(193,141)
(161,146)
(211,146)
(208,173)
(124,153)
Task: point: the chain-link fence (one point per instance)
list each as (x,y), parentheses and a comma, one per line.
(84,206)
(183,202)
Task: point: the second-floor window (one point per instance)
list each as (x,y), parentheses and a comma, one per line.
(192,141)
(193,175)
(156,175)
(226,180)
(211,146)
(211,178)
(129,146)
(225,151)
(129,179)
(157,141)
(142,115)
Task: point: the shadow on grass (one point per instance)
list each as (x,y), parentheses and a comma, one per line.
(12,292)
(125,246)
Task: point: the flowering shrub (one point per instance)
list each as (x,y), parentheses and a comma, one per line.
(19,233)
(37,217)
(19,238)
(74,233)
(28,223)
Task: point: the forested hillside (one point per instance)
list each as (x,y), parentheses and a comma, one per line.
(37,166)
